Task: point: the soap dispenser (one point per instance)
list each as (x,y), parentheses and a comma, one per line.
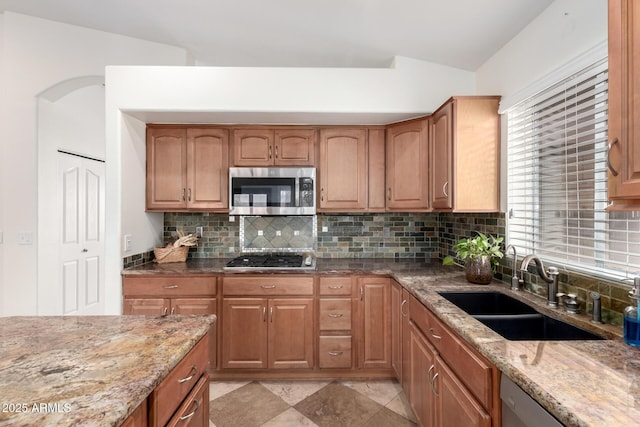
(632,316)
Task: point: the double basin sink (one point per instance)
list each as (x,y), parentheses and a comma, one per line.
(514,319)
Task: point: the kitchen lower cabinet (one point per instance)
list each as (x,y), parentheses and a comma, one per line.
(449,383)
(268,322)
(374,327)
(335,323)
(261,333)
(172,295)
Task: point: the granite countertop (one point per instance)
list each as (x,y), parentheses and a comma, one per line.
(582,383)
(87,370)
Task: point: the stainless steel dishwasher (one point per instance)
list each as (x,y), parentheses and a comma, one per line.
(521,410)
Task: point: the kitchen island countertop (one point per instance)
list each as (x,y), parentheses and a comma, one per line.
(87,370)
(582,383)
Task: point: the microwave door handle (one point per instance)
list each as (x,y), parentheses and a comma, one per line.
(297,191)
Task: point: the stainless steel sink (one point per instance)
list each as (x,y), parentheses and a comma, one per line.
(514,319)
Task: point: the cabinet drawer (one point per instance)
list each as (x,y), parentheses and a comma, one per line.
(194,410)
(335,352)
(168,286)
(166,398)
(335,286)
(268,285)
(474,371)
(335,314)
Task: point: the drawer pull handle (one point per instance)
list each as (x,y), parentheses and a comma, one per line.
(433,385)
(173,311)
(335,353)
(192,413)
(164,311)
(271,314)
(335,287)
(268,286)
(429,373)
(609,165)
(433,334)
(336,314)
(264,314)
(171,286)
(194,369)
(404,301)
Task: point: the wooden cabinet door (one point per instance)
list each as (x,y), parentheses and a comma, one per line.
(244,333)
(194,410)
(147,306)
(376,177)
(406,341)
(253,147)
(624,103)
(166,168)
(207,168)
(291,333)
(422,369)
(407,166)
(442,157)
(396,329)
(294,147)
(455,406)
(199,306)
(374,342)
(343,169)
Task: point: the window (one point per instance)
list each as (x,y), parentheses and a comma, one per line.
(557,180)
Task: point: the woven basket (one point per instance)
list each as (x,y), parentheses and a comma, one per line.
(171,254)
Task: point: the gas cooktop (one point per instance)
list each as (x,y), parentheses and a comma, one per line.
(272,261)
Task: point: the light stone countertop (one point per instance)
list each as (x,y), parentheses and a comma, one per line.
(582,383)
(87,370)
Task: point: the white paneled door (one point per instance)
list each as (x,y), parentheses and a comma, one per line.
(81,248)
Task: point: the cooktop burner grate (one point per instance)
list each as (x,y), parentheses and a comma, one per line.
(267,261)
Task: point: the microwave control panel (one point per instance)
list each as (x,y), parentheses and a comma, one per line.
(306,192)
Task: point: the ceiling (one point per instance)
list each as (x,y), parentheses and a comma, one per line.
(305,33)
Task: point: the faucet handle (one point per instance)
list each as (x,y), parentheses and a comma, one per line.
(569,301)
(596,316)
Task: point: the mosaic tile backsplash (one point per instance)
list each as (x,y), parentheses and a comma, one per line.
(387,235)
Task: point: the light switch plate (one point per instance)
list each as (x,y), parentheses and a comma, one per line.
(128,242)
(25,237)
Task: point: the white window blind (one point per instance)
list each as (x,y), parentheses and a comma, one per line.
(557,180)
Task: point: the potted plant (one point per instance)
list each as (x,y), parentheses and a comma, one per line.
(481,254)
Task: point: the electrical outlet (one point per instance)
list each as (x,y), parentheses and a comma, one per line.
(199,232)
(232,218)
(128,242)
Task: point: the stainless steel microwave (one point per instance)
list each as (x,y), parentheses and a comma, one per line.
(272,191)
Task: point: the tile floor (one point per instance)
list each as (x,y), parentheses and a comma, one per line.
(296,403)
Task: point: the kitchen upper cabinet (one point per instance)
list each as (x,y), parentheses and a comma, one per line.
(374,313)
(187,169)
(274,147)
(624,105)
(407,166)
(343,169)
(465,160)
(352,170)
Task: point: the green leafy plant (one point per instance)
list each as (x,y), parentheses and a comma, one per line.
(472,248)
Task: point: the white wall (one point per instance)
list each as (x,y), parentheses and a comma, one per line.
(564,30)
(37,54)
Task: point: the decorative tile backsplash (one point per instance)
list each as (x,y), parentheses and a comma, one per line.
(278,233)
(380,235)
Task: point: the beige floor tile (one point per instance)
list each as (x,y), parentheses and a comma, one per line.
(400,405)
(290,418)
(293,392)
(337,405)
(388,418)
(381,391)
(220,388)
(249,406)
